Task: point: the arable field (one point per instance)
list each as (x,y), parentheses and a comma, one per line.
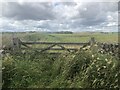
(89,67)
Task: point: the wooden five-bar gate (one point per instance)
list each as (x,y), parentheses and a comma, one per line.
(17,45)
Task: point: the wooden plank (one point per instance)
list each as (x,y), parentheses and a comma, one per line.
(55,43)
(51,49)
(48,48)
(53,53)
(25,45)
(62,47)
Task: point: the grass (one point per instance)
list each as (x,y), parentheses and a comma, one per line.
(83,69)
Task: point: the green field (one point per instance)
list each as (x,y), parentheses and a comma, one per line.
(48,37)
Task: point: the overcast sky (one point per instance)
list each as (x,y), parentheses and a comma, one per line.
(59,16)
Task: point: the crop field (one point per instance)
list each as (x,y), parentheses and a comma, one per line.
(90,66)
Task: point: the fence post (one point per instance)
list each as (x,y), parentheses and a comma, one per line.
(92,41)
(16,44)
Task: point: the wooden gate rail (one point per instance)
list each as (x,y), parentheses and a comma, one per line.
(50,49)
(47,43)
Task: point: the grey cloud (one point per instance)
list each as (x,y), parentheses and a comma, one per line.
(67,3)
(94,13)
(109,6)
(51,25)
(28,11)
(89,14)
(119,6)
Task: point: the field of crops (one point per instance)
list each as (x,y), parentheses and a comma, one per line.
(89,67)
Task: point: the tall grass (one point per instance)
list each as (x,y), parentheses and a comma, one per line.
(83,69)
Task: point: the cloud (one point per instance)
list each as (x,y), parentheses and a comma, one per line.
(74,16)
(94,13)
(27,11)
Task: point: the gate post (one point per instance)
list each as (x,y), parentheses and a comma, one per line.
(92,41)
(16,44)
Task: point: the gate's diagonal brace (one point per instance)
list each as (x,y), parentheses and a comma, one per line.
(63,47)
(25,45)
(48,48)
(28,46)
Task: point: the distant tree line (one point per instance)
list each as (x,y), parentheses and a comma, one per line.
(64,32)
